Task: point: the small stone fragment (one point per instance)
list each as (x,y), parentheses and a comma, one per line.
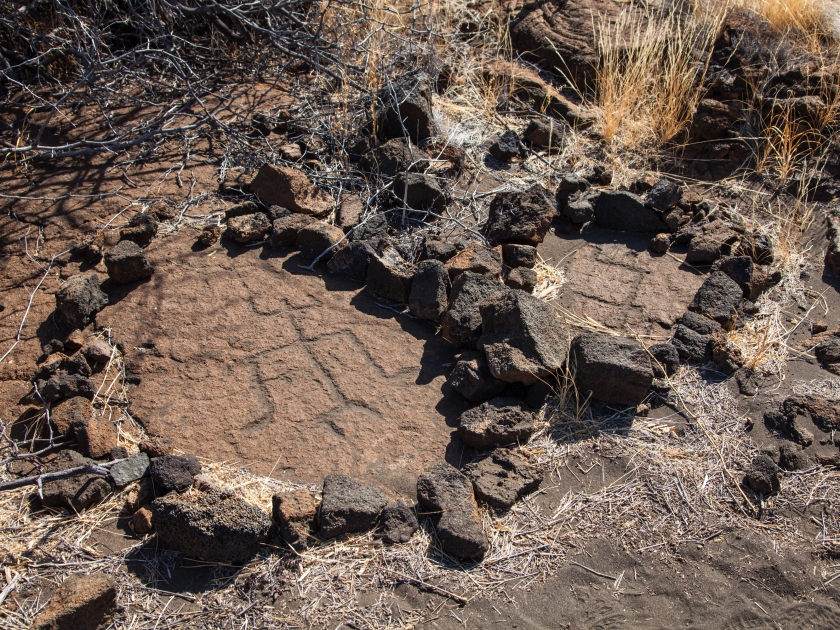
(397,524)
(75,493)
(624,211)
(478,259)
(131,469)
(210,234)
(249,228)
(155,446)
(141,521)
(519,255)
(520,217)
(506,147)
(352,261)
(96,351)
(763,475)
(126,262)
(664,195)
(290,188)
(718,298)
(95,435)
(471,377)
(435,249)
(461,323)
(420,191)
(349,212)
(666,359)
(398,155)
(284,230)
(295,514)
(522,279)
(173,473)
(503,478)
(389,276)
(65,413)
(791,457)
(498,422)
(660,243)
(141,229)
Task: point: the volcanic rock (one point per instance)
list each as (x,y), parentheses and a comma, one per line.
(718,298)
(213,526)
(64,414)
(515,255)
(63,385)
(314,239)
(375,228)
(82,602)
(792,457)
(79,299)
(78,492)
(471,377)
(436,249)
(478,259)
(349,212)
(498,422)
(141,229)
(520,217)
(142,521)
(667,359)
(210,234)
(522,279)
(405,108)
(624,211)
(664,195)
(660,243)
(710,243)
(249,228)
(420,191)
(542,133)
(96,351)
(290,188)
(126,262)
(284,230)
(395,156)
(744,271)
(615,369)
(579,211)
(397,524)
(506,147)
(763,475)
(174,473)
(348,506)
(389,276)
(95,435)
(295,514)
(352,260)
(461,323)
(155,446)
(131,469)
(502,478)
(429,295)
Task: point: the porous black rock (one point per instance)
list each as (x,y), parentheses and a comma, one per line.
(348,506)
(79,299)
(520,216)
(615,369)
(174,473)
(126,262)
(429,295)
(497,422)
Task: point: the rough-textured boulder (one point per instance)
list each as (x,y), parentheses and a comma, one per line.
(523,339)
(664,195)
(763,475)
(295,514)
(397,524)
(436,249)
(395,156)
(615,369)
(666,359)
(213,526)
(249,228)
(79,299)
(471,377)
(624,211)
(692,339)
(405,108)
(744,271)
(498,422)
(126,262)
(95,435)
(832,254)
(284,230)
(64,414)
(420,191)
(374,228)
(348,506)
(718,298)
(156,446)
(96,351)
(543,134)
(792,457)
(522,279)
(131,469)
(709,243)
(447,494)
(429,295)
(461,323)
(389,276)
(520,217)
(290,188)
(75,493)
(506,147)
(141,229)
(515,255)
(352,261)
(314,239)
(349,212)
(82,602)
(63,385)
(174,473)
(502,478)
(478,259)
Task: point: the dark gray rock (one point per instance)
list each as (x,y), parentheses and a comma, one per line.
(420,191)
(131,469)
(506,147)
(699,323)
(405,107)
(744,271)
(436,249)
(515,255)
(397,524)
(314,239)
(173,473)
(828,351)
(747,382)
(709,243)
(579,211)
(350,212)
(503,478)
(763,475)
(615,369)
(461,323)
(718,298)
(249,228)
(523,339)
(429,295)
(667,359)
(660,243)
(832,254)
(126,262)
(284,230)
(389,276)
(624,211)
(79,299)
(63,385)
(375,228)
(497,422)
(664,195)
(213,526)
(792,457)
(348,506)
(241,209)
(542,134)
(471,377)
(522,279)
(447,495)
(75,493)
(478,259)
(141,229)
(395,156)
(520,217)
(352,260)
(82,602)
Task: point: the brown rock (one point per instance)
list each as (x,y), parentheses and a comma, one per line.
(155,446)
(65,413)
(297,506)
(82,602)
(290,188)
(141,522)
(249,228)
(316,238)
(285,229)
(95,435)
(97,350)
(139,495)
(349,212)
(478,259)
(210,234)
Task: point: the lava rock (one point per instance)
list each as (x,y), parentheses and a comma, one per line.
(624,211)
(743,270)
(520,217)
(397,524)
(96,351)
(429,295)
(710,243)
(832,254)
(141,229)
(209,235)
(213,526)
(420,191)
(543,134)
(667,359)
(241,209)
(497,422)
(126,262)
(471,377)
(660,243)
(79,299)
(792,457)
(131,469)
(284,230)
(436,249)
(579,211)
(461,323)
(349,212)
(95,435)
(314,239)
(75,493)
(506,147)
(290,188)
(522,338)
(515,255)
(478,259)
(63,385)
(615,369)
(395,156)
(174,473)
(249,228)
(389,276)
(448,495)
(295,514)
(82,602)
(664,195)
(352,261)
(522,279)
(64,414)
(155,446)
(763,475)
(718,298)
(348,506)
(503,478)
(699,323)
(373,229)
(405,108)
(142,521)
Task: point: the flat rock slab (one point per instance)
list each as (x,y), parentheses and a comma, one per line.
(239,355)
(132,469)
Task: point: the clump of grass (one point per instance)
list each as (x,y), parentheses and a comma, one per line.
(801,19)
